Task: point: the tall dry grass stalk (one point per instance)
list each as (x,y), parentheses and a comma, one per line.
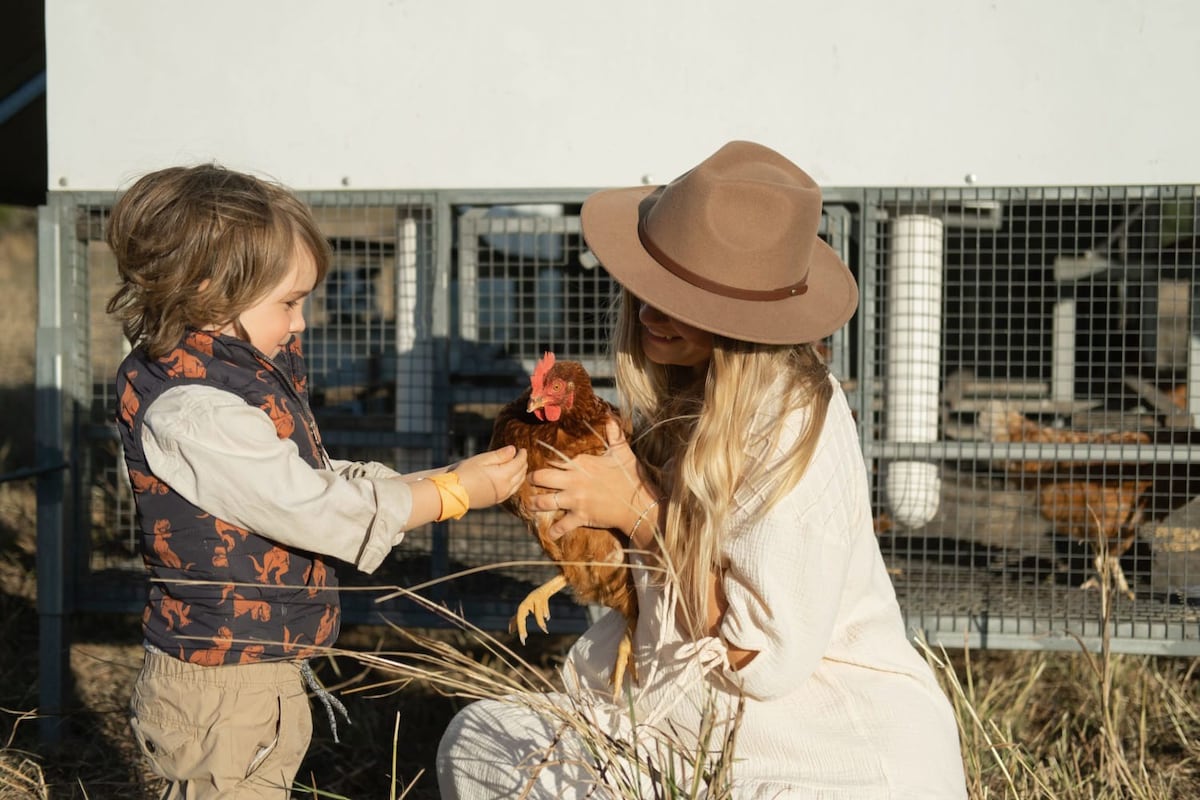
(20,773)
(656,764)
(21,776)
(1032,724)
(1069,726)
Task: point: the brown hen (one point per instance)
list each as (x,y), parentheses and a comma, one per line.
(557,418)
(1104,514)
(1079,497)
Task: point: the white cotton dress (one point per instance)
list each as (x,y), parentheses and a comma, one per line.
(838,705)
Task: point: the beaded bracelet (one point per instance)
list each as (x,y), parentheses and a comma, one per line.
(653,504)
(455,500)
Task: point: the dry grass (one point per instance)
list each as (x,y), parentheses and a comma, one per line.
(1034,724)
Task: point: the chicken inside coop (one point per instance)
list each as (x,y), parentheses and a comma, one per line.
(1092,501)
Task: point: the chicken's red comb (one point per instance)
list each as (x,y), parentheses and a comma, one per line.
(539,371)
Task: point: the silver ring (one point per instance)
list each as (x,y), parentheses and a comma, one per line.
(556,505)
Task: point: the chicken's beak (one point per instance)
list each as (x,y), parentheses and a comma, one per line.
(536,402)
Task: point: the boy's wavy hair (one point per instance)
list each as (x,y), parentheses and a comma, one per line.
(196,246)
(715,441)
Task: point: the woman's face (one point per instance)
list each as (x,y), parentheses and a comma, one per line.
(667,341)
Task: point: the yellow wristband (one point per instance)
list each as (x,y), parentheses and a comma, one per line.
(455,501)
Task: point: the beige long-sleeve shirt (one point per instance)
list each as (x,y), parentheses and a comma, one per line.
(838,703)
(224,456)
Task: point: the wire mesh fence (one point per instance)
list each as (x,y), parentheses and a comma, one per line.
(1024,368)
(1033,412)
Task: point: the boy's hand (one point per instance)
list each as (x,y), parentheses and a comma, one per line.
(492,476)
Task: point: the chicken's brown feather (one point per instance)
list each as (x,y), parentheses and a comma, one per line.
(591,559)
(1082,499)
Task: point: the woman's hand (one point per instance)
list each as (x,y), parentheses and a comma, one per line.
(605,491)
(492,476)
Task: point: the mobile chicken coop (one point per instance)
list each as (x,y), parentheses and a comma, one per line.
(1024,365)
(1019,367)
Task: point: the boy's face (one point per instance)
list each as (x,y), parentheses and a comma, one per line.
(272,321)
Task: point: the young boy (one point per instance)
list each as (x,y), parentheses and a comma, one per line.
(239,507)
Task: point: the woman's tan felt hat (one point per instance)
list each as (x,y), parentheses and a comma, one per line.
(730,247)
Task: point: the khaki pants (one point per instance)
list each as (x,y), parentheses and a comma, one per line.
(237,731)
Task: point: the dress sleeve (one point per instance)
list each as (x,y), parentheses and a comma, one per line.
(224,456)
(783,581)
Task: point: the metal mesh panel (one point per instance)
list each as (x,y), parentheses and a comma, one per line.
(1030,414)
(523,285)
(523,289)
(1020,368)
(393,378)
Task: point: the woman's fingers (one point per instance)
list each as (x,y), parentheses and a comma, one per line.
(569,522)
(550,501)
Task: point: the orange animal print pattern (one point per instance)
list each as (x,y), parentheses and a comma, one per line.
(326,628)
(181,363)
(129,399)
(316,577)
(299,381)
(226,533)
(257,609)
(290,644)
(222,594)
(146,483)
(277,410)
(175,612)
(212,656)
(199,340)
(162,548)
(252,654)
(275,563)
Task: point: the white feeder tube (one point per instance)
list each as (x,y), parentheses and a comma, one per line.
(1062,365)
(414,354)
(913,358)
(1193,381)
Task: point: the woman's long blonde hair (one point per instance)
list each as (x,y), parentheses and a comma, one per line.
(713,441)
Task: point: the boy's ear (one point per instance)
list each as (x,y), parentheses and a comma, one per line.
(204,284)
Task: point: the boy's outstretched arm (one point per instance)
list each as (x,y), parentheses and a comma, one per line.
(487,478)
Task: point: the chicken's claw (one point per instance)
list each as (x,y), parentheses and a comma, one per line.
(1109,568)
(623,661)
(537,603)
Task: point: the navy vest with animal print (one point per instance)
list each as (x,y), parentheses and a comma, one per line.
(220,594)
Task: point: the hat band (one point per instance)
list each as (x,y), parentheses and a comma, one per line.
(709,285)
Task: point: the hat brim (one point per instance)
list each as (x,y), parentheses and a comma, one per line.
(610,227)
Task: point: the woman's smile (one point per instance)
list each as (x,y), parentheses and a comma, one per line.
(661,337)
(666,340)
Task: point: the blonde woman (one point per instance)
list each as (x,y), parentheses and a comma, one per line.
(770,656)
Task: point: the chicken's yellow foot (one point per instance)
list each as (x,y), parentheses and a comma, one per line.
(1109,568)
(624,661)
(537,603)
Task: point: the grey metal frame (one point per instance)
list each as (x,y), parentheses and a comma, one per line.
(66,432)
(982,613)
